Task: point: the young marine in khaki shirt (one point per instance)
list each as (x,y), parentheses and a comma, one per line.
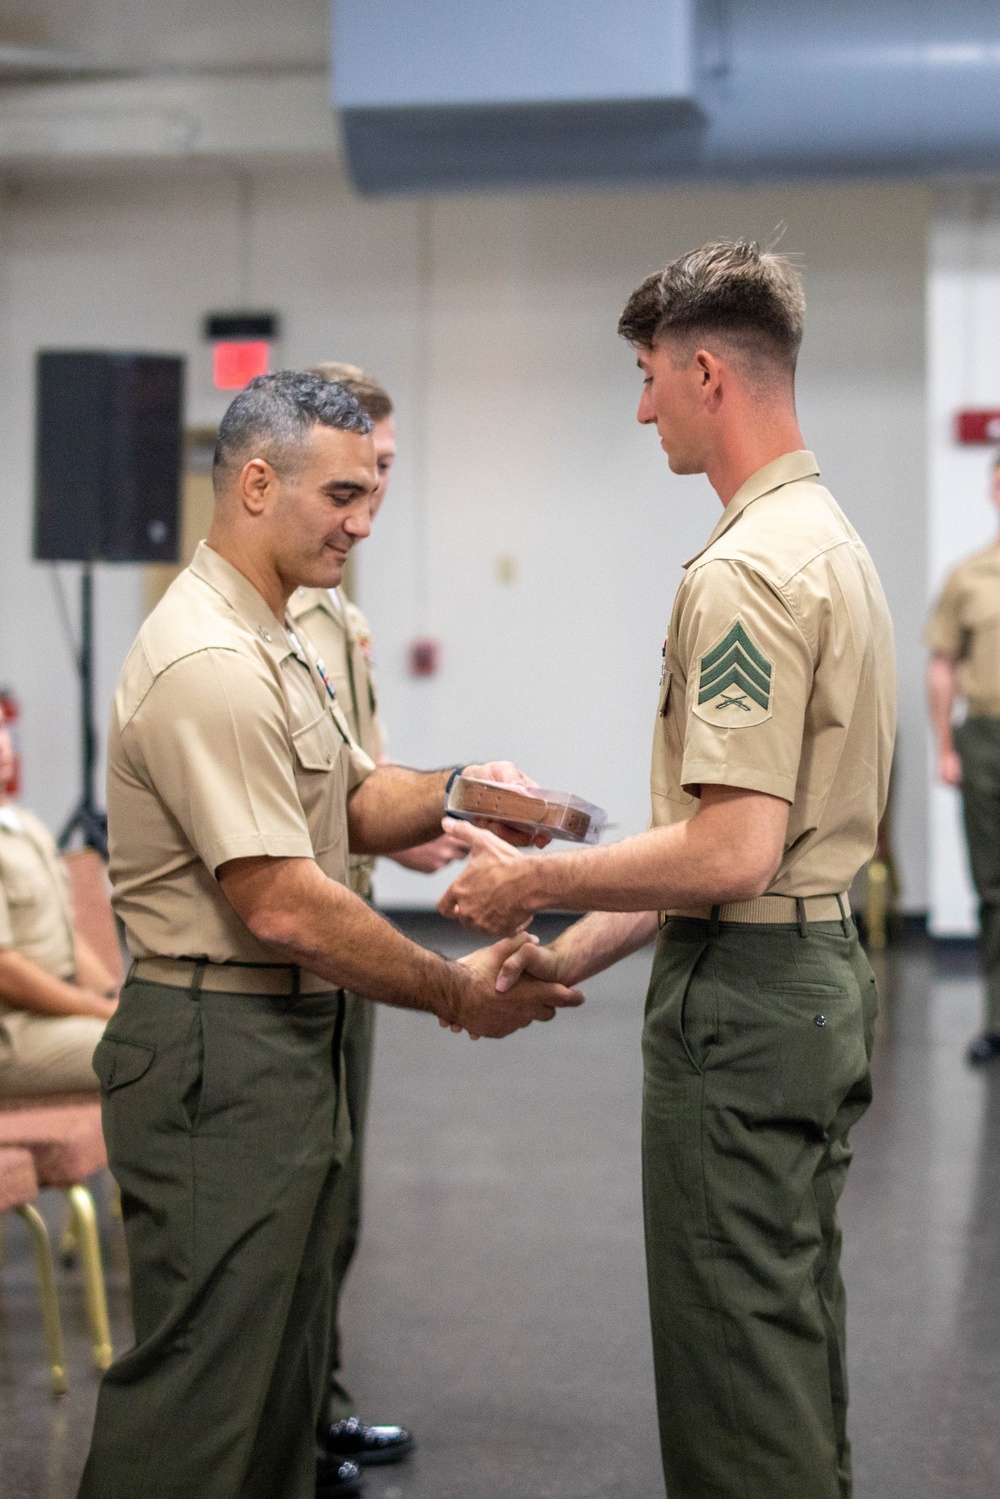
(771,757)
(963,634)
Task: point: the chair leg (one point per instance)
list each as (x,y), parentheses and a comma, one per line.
(50,1302)
(68,1238)
(93,1276)
(878,904)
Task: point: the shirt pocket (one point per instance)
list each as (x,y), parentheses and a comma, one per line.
(321,781)
(316,745)
(24,875)
(19,888)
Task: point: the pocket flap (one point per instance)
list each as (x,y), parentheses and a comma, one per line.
(315,747)
(119,1062)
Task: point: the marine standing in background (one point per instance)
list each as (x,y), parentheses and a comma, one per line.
(771,756)
(963,634)
(342,638)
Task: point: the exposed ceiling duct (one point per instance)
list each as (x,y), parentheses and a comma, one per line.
(473,94)
(112,122)
(17,62)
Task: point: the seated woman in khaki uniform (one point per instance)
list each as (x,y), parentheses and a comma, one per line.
(55,993)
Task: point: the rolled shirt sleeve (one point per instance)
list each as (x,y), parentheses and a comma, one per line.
(359,766)
(944,632)
(749,673)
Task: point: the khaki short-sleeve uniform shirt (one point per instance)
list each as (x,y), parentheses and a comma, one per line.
(341,636)
(224,744)
(779,676)
(36,912)
(965,624)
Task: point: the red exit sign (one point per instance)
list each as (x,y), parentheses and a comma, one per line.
(977,426)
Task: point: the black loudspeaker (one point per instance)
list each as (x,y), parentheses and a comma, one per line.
(109,444)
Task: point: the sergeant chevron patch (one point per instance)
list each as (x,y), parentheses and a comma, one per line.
(736,681)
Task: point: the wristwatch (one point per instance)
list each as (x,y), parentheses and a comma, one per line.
(458,771)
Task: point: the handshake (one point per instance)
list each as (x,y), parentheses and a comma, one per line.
(517,980)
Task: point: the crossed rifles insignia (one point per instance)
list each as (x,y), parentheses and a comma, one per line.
(736,681)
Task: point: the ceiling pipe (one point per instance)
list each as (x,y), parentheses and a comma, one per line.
(780,90)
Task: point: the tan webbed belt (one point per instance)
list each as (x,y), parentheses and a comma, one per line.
(770,910)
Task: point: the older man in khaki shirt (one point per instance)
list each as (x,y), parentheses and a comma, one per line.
(234,792)
(771,758)
(963,634)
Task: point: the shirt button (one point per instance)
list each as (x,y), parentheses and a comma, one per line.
(820,1020)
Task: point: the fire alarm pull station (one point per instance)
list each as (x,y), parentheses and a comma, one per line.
(425,658)
(977,426)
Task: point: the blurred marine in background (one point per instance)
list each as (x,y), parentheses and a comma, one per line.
(963,634)
(342,638)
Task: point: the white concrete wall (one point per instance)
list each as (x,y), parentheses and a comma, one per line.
(963,371)
(492,320)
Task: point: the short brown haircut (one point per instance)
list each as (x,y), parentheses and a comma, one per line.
(727,288)
(366,390)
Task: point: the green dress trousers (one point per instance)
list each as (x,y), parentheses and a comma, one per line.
(756,1053)
(359,1043)
(221,1115)
(978,744)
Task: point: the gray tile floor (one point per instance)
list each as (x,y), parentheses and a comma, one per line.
(498,1303)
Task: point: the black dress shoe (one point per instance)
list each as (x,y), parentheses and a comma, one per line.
(367,1444)
(985,1048)
(334,1477)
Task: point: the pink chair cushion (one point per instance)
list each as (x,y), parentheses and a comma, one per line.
(66,1142)
(18,1101)
(88,878)
(18,1183)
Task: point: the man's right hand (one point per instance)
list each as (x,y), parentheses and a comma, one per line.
(949,768)
(491,1010)
(528,960)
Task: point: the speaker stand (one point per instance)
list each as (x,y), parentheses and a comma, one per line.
(87,820)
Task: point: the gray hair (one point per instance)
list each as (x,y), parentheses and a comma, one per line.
(272,417)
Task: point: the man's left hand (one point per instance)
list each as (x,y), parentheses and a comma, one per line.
(487,896)
(428,858)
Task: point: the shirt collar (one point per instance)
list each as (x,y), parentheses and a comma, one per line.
(326,599)
(240,594)
(774,475)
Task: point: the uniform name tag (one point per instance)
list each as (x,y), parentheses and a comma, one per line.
(735,681)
